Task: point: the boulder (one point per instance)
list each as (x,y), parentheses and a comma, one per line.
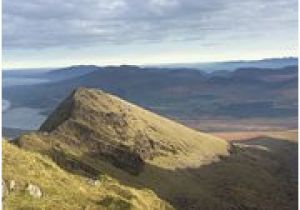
(4,189)
(93,182)
(12,185)
(34,191)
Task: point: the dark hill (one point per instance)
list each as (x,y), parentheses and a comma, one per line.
(182,94)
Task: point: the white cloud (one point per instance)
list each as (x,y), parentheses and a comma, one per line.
(75,23)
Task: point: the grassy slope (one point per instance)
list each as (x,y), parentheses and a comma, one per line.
(62,190)
(257,175)
(176,146)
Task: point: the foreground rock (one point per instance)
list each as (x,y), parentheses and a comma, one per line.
(34,191)
(5,191)
(12,185)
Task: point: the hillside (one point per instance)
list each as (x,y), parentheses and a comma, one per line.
(93,123)
(62,190)
(92,132)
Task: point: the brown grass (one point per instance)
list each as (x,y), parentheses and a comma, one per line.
(291,135)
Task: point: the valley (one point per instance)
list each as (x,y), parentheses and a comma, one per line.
(93,134)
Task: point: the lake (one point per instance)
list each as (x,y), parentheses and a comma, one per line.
(12,81)
(23,118)
(20,118)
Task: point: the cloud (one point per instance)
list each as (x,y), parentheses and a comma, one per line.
(39,24)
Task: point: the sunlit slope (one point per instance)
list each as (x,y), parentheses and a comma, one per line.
(63,190)
(93,123)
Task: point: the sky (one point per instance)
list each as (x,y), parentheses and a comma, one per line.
(53,33)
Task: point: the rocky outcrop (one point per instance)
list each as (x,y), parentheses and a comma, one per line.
(8,187)
(34,191)
(5,190)
(123,158)
(12,185)
(93,182)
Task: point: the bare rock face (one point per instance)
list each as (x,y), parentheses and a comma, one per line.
(8,187)
(123,158)
(34,191)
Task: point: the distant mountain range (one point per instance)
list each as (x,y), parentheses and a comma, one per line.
(204,66)
(180,93)
(232,65)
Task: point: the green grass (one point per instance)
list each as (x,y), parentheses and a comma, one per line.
(63,190)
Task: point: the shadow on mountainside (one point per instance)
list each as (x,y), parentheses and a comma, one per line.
(285,151)
(260,173)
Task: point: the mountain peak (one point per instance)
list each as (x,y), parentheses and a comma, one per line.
(106,127)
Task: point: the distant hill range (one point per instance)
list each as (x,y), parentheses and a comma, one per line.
(176,93)
(232,65)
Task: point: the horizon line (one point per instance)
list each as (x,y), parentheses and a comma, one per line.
(153,64)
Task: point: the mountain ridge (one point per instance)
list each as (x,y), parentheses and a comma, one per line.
(135,134)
